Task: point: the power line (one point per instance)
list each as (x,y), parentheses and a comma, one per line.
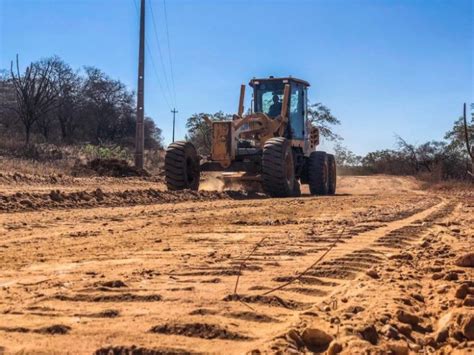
(159,50)
(157,76)
(169,50)
(163,92)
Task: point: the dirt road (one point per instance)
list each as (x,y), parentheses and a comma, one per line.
(162,273)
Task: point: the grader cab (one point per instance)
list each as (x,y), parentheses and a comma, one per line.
(274,144)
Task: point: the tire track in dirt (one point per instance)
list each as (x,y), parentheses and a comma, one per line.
(351,264)
(353,255)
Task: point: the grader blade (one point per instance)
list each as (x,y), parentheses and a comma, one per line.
(249,182)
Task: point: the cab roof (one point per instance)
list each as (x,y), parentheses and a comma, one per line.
(271,78)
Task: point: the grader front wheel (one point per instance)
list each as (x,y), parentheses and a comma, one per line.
(278,171)
(182,167)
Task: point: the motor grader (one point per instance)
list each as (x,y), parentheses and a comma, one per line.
(274,144)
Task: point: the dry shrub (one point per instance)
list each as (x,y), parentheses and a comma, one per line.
(452,187)
(154,161)
(35,167)
(108,167)
(50,159)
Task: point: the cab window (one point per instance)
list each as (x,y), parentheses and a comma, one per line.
(269,98)
(296,114)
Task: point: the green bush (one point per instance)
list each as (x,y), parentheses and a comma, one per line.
(92,152)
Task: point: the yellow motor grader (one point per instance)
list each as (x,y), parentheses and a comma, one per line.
(274,144)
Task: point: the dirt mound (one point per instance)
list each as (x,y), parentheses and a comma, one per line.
(305,280)
(108,167)
(125,297)
(252,317)
(273,301)
(198,330)
(135,350)
(81,199)
(111,284)
(12,178)
(53,329)
(108,313)
(15,329)
(203,312)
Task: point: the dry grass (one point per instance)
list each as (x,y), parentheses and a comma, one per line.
(452,188)
(60,160)
(452,185)
(34,167)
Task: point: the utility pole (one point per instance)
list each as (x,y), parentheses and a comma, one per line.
(469,145)
(139,134)
(174,112)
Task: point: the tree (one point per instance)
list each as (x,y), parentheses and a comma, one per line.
(109,105)
(70,100)
(345,157)
(384,162)
(8,114)
(35,91)
(199,131)
(44,125)
(409,152)
(321,116)
(153,135)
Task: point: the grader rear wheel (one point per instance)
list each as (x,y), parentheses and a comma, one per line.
(318,173)
(332,176)
(182,167)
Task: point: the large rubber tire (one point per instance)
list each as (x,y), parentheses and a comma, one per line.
(318,173)
(332,174)
(182,167)
(278,169)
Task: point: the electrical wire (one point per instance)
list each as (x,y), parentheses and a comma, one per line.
(159,50)
(157,76)
(163,91)
(169,51)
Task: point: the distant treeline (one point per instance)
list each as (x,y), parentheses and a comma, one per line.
(48,101)
(434,160)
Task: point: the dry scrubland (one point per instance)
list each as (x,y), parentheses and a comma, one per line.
(120,266)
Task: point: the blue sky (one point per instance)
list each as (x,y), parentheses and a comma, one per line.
(383,67)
